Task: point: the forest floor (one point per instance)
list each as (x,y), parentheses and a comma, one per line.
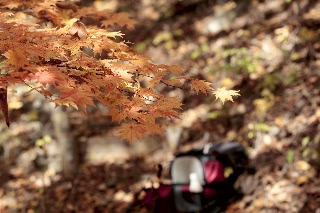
(269,50)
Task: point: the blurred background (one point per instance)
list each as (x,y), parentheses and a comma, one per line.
(60,159)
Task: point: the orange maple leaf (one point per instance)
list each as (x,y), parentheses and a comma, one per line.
(75,98)
(131,131)
(154,129)
(175,69)
(16,58)
(170,114)
(200,86)
(169,103)
(122,19)
(13,78)
(116,114)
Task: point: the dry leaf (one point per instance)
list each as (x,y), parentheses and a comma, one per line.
(223,94)
(78,29)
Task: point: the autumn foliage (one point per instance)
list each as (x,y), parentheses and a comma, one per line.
(70,56)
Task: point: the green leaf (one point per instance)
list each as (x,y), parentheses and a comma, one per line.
(290,156)
(305,141)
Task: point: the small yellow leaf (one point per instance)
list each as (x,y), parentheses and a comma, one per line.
(302,165)
(227,82)
(224,94)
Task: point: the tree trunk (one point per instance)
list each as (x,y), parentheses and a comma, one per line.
(68,149)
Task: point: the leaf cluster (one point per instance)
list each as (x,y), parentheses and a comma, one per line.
(46,45)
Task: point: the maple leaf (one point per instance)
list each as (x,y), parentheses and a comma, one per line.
(4,104)
(14,77)
(131,131)
(169,114)
(154,129)
(114,34)
(178,82)
(116,114)
(156,79)
(44,77)
(16,58)
(140,60)
(223,94)
(47,11)
(166,107)
(98,34)
(75,97)
(175,69)
(122,19)
(200,86)
(168,103)
(92,13)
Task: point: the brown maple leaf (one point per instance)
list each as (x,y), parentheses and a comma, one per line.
(130,131)
(116,114)
(122,19)
(200,86)
(16,58)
